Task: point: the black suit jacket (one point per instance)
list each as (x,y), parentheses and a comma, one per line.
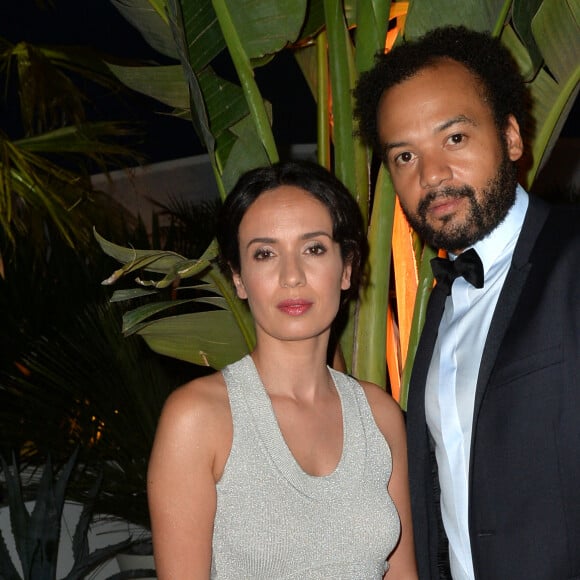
(524,481)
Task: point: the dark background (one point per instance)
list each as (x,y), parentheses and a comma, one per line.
(96,23)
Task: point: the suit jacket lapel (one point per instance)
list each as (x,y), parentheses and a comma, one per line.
(510,294)
(424,354)
(423,481)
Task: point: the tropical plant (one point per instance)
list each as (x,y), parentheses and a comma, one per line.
(37,534)
(46,160)
(68,377)
(333,40)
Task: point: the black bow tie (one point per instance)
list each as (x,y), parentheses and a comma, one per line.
(468,264)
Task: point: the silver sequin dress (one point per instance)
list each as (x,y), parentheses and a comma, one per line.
(275,521)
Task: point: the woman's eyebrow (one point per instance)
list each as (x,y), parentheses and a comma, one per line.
(306,236)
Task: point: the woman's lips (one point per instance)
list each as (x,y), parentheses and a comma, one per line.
(294,307)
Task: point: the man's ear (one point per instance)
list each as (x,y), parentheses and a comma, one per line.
(513,138)
(239,285)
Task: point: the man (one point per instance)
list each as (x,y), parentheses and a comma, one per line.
(495,390)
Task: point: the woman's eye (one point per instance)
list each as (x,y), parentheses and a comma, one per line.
(262,254)
(316,250)
(457,138)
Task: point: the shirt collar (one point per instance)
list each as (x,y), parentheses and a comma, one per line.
(504,235)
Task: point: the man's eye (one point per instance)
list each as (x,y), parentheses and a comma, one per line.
(403,158)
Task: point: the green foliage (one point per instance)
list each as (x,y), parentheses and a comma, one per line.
(69,378)
(44,170)
(333,41)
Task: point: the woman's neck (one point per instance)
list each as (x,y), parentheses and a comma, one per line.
(294,369)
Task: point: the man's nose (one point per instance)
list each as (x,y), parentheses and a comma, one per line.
(434,170)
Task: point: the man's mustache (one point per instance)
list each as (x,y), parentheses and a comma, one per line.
(444,193)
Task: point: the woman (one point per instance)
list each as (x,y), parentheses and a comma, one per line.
(278,466)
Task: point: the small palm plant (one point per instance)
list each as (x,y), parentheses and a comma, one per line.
(37,534)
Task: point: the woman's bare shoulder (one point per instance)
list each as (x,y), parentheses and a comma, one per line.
(195,426)
(202,401)
(378,396)
(386,411)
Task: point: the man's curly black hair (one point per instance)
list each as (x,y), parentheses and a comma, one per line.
(492,64)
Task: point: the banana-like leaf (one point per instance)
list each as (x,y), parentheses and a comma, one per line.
(218,301)
(241,60)
(149,17)
(561,51)
(373,23)
(200,119)
(522,13)
(153,260)
(130,294)
(133,320)
(369,356)
(482,15)
(313,23)
(246,153)
(163,262)
(265,27)
(217,105)
(420,309)
(163,83)
(553,99)
(342,74)
(511,40)
(201,29)
(238,308)
(205,338)
(224,101)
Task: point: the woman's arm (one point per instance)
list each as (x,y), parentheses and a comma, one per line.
(389,419)
(190,445)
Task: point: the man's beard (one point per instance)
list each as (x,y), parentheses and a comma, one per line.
(483,217)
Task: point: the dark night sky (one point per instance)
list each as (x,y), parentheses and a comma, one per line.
(98,24)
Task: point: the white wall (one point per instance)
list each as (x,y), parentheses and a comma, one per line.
(190,178)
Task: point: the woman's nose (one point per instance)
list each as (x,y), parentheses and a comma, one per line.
(292,273)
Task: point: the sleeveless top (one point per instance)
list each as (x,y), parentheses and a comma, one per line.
(275,521)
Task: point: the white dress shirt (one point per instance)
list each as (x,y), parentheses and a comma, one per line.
(452,378)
